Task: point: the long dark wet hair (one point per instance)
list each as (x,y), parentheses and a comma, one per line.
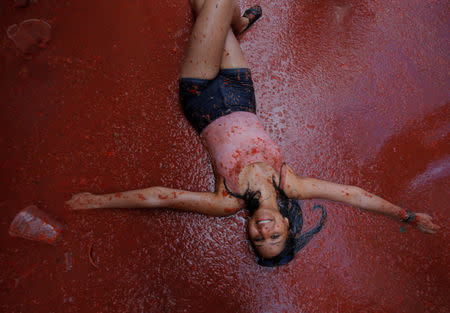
(289,208)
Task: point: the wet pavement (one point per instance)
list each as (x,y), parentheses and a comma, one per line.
(354,91)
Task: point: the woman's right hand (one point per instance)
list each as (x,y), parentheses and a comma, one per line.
(424,223)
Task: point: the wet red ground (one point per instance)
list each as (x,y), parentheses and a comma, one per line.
(354,91)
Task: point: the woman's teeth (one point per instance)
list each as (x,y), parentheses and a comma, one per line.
(263,221)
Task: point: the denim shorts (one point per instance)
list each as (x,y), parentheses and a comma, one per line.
(204,100)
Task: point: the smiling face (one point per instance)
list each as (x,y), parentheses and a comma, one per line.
(268,231)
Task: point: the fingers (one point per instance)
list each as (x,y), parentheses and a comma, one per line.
(80,201)
(68,205)
(435,227)
(428,227)
(431,226)
(424,223)
(72,205)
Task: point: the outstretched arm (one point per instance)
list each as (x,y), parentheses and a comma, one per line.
(208,203)
(306,188)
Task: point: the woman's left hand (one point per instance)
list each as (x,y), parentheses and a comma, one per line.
(82,201)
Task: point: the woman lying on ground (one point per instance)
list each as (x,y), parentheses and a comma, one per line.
(217,97)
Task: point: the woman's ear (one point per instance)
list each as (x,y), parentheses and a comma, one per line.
(286,221)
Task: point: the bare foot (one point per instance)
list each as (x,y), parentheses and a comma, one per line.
(250,16)
(243,23)
(83,201)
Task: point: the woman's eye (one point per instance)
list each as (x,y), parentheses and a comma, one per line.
(275,236)
(258,239)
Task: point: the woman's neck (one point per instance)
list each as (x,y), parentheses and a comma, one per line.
(258,177)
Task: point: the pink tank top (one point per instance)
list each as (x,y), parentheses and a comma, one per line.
(237,140)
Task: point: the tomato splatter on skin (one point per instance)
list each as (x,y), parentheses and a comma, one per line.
(117,195)
(229,210)
(141,196)
(224,193)
(163,197)
(403,213)
(253,151)
(174,194)
(368,195)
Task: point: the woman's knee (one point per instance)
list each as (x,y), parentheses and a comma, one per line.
(230,4)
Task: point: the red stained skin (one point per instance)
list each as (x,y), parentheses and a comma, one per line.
(362,87)
(141,196)
(163,197)
(229,210)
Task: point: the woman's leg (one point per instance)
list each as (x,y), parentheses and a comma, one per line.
(232,56)
(212,44)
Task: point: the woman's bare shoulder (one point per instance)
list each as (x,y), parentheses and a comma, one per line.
(291,183)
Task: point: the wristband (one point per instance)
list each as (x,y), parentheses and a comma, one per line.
(410,217)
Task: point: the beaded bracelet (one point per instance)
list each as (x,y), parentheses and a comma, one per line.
(410,217)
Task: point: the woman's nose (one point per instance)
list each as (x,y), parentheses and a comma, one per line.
(266,228)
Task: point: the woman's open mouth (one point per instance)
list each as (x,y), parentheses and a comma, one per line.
(264,221)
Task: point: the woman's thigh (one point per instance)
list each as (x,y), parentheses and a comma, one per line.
(206,46)
(232,56)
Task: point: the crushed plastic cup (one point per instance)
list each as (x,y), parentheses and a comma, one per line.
(34,224)
(30,35)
